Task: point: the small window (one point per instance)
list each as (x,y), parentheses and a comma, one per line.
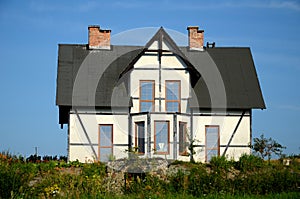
(146,95)
(105,145)
(212,142)
(172,95)
(161,137)
(140,137)
(183,138)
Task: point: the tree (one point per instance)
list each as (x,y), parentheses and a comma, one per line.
(190,145)
(265,147)
(192,150)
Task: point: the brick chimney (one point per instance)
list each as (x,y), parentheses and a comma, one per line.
(99,39)
(196,38)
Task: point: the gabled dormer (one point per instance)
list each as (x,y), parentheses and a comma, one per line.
(160,77)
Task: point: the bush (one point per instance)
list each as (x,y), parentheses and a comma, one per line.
(92,169)
(145,187)
(199,181)
(249,163)
(220,163)
(177,182)
(14,175)
(266,182)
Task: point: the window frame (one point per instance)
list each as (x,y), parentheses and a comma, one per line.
(153,94)
(185,152)
(179,95)
(168,139)
(137,137)
(218,142)
(99,140)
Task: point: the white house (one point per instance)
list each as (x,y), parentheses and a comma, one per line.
(156,98)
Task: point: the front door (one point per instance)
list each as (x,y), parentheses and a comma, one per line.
(140,137)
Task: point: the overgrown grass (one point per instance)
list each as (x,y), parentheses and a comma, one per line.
(250,177)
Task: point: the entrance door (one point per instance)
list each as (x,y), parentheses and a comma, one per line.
(105,146)
(212,144)
(183,138)
(140,137)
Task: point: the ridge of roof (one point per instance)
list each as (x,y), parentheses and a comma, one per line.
(140,46)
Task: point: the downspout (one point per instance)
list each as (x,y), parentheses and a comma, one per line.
(129,132)
(191,133)
(68,149)
(159,71)
(149,135)
(175,136)
(250,143)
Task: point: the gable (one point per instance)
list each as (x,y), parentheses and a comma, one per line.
(162,44)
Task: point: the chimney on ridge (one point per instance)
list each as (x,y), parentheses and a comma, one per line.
(196,38)
(99,39)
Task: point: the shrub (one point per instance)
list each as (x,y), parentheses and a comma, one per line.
(150,185)
(34,158)
(176,182)
(14,175)
(92,169)
(199,181)
(220,163)
(249,163)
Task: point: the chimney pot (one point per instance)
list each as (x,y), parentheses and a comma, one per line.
(196,38)
(98,39)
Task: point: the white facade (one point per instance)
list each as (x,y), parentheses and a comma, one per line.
(86,141)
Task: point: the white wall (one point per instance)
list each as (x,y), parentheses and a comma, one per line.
(226,125)
(91,124)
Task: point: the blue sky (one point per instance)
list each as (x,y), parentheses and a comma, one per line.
(31,31)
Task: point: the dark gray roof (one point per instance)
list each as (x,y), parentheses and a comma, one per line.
(90,77)
(96,77)
(238,76)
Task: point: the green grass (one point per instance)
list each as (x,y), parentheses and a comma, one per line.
(289,195)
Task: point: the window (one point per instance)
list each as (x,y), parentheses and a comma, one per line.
(140,137)
(212,142)
(146,95)
(183,138)
(161,137)
(172,95)
(105,145)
